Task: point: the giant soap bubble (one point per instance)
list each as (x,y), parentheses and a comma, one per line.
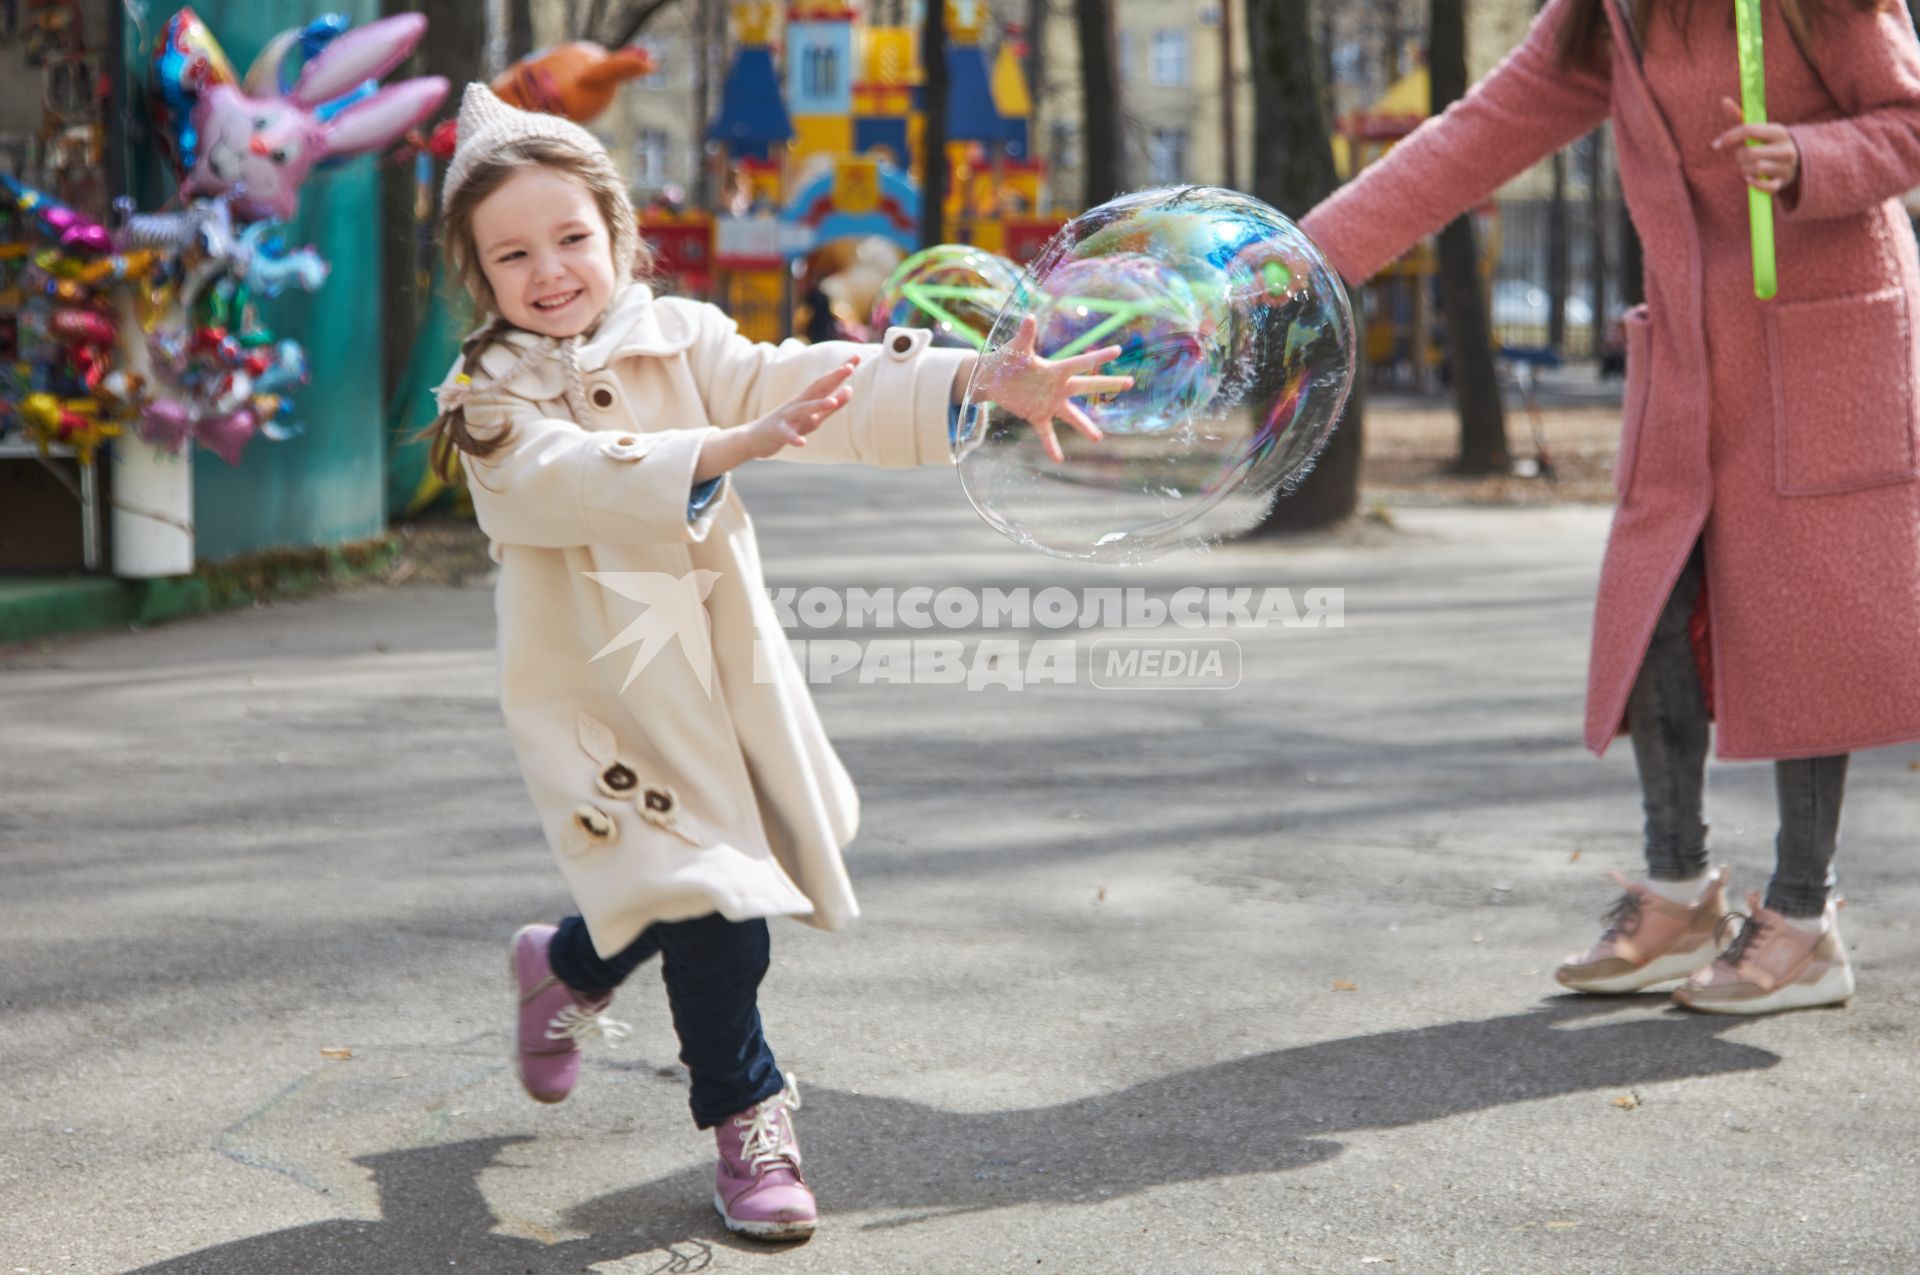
(1164,330)
(1240,342)
(954,290)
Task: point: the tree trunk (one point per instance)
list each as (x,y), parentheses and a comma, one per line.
(1597,233)
(1229,91)
(1325,47)
(1293,171)
(1394,36)
(456,50)
(702,48)
(1099,100)
(933,181)
(1476,385)
(519,29)
(1036,69)
(1633,283)
(1559,258)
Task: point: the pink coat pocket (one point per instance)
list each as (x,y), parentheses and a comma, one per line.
(1843,372)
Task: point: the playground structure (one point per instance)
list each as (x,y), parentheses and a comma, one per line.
(821,134)
(1398,325)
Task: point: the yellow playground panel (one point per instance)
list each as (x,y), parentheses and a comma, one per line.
(822,140)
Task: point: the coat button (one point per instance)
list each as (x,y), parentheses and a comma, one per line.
(596,823)
(626,440)
(901,344)
(618,780)
(602,398)
(658,801)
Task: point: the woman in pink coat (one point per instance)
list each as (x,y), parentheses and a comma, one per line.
(1764,564)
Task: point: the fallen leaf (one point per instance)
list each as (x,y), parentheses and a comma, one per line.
(1561,1226)
(334,1051)
(1574,857)
(1626,1101)
(1369,1261)
(398,1075)
(1342,985)
(1101,897)
(1913,765)
(1478,938)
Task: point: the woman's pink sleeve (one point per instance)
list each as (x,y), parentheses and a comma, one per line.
(1524,110)
(1872,154)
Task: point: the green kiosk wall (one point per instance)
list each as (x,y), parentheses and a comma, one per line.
(328,485)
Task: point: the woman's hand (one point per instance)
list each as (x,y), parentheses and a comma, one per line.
(785,426)
(1040,390)
(1774,164)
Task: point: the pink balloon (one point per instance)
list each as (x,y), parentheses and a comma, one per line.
(79,232)
(227,436)
(165,423)
(259,150)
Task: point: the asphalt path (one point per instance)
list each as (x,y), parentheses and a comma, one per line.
(1226,978)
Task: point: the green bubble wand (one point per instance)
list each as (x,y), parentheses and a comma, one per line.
(1753,110)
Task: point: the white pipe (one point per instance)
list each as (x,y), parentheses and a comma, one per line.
(152,488)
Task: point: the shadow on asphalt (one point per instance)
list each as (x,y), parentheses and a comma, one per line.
(1262,1113)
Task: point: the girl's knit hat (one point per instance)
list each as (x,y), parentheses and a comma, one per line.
(489,128)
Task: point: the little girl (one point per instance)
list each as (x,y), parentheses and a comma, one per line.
(686,787)
(1764,566)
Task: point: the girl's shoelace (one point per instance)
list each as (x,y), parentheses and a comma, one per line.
(576,1024)
(765,1142)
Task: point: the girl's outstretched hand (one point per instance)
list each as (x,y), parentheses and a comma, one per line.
(1040,390)
(785,426)
(1774,164)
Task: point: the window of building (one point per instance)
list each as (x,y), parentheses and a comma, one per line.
(665,59)
(650,149)
(1167,156)
(1123,55)
(820,71)
(1167,62)
(1066,145)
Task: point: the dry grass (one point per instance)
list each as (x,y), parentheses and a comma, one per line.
(1408,452)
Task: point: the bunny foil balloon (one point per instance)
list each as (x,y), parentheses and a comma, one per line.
(258,147)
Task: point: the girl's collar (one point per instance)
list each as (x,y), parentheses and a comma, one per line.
(632,325)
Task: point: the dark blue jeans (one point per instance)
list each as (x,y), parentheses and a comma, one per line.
(1667,718)
(712,968)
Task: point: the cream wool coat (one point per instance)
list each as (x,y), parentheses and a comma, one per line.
(663,800)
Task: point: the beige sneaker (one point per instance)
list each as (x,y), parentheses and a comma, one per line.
(1771,965)
(1649,939)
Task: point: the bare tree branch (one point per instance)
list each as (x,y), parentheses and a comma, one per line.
(635,21)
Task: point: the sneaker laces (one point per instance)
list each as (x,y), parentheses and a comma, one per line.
(1623,917)
(768,1141)
(577,1024)
(1751,928)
